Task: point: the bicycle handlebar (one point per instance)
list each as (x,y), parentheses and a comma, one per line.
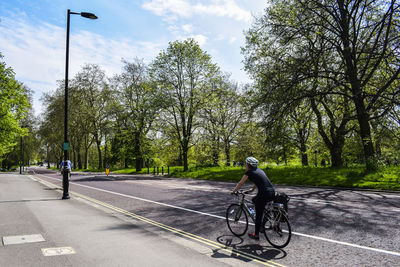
(241,192)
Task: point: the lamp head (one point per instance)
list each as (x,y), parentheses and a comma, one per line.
(88,15)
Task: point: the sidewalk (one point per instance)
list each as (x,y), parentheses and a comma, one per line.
(37,228)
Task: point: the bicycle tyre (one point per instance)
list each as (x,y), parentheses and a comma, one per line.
(277,229)
(236,219)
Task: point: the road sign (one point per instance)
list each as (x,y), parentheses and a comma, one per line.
(108,170)
(65,146)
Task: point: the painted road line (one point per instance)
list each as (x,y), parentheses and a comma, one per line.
(182,233)
(220,217)
(58,251)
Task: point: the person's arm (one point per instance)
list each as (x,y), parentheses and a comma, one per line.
(239,184)
(252,189)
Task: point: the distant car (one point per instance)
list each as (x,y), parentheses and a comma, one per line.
(2,169)
(13,169)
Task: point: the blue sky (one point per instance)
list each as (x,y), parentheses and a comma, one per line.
(32,35)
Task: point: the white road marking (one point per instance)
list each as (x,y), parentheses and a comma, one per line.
(220,217)
(57,251)
(22,239)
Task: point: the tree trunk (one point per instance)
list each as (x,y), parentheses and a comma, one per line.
(98,144)
(336,155)
(228,153)
(86,158)
(351,74)
(79,159)
(138,153)
(185,158)
(365,134)
(215,152)
(303,149)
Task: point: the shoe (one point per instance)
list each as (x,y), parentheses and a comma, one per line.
(254,236)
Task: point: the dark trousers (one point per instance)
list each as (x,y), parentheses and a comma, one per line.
(260,201)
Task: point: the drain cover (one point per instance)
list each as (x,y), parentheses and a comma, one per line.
(22,239)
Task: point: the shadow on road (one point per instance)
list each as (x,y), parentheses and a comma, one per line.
(246,252)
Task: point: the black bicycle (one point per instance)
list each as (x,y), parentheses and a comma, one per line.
(275,224)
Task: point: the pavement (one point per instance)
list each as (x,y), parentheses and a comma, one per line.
(38,228)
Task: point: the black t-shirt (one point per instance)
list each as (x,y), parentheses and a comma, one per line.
(260,179)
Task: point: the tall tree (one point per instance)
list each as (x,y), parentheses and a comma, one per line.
(141,101)
(13,108)
(359,37)
(92,87)
(185,72)
(222,114)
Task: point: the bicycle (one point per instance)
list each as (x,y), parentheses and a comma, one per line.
(275,223)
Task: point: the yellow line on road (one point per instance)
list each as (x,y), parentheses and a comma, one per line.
(172,229)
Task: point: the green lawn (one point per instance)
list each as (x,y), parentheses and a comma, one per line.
(387,178)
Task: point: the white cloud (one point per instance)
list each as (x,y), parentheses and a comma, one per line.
(224,8)
(201,39)
(169,8)
(187,28)
(232,39)
(174,9)
(36,52)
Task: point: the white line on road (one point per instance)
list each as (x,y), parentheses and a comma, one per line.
(220,217)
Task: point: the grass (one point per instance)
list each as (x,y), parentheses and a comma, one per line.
(386,178)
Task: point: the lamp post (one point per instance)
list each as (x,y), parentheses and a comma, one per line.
(66,143)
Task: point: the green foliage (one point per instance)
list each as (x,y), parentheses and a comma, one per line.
(13,108)
(185,72)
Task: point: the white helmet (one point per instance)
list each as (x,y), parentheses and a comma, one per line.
(253,162)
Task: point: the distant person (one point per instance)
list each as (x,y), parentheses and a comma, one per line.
(265,191)
(69,166)
(234,164)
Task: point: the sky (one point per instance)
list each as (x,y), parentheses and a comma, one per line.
(33,35)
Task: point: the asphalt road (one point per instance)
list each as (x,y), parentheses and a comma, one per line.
(330,227)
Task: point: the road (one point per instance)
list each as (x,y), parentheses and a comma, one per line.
(330,227)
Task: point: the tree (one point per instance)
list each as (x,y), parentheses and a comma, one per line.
(221,116)
(90,85)
(185,73)
(13,108)
(140,102)
(352,46)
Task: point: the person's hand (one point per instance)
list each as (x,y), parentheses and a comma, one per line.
(233,193)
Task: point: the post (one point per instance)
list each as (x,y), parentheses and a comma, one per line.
(162,170)
(20,159)
(65,172)
(168,169)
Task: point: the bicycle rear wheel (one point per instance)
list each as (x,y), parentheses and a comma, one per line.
(277,228)
(237,220)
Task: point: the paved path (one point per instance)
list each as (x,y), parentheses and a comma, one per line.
(37,228)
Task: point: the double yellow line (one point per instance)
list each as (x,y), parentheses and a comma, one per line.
(193,237)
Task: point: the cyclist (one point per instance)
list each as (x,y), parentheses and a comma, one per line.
(265,191)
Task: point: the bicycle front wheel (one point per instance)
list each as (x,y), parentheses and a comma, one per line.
(277,229)
(237,220)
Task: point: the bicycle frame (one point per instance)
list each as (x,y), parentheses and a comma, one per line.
(243,204)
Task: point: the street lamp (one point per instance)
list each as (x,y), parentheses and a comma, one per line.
(66,143)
